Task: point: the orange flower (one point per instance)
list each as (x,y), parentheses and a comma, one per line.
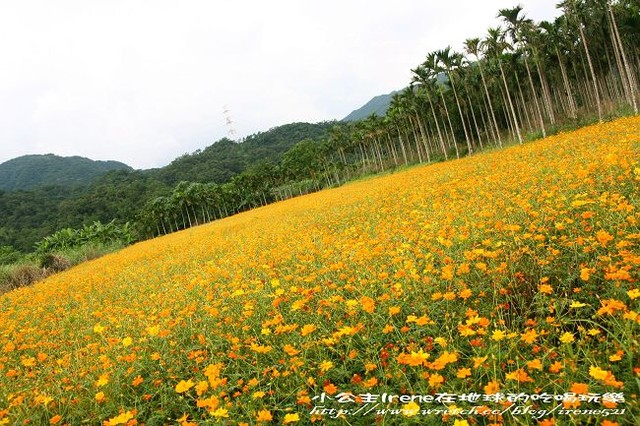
(264,416)
(580,388)
(530,336)
(463,372)
(492,387)
(435,380)
(603,237)
(368,304)
(330,388)
(307,329)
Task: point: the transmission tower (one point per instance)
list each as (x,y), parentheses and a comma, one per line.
(231,131)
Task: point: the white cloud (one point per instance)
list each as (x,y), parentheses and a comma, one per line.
(145,81)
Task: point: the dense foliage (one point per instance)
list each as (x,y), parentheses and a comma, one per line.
(505,273)
(30,171)
(95,234)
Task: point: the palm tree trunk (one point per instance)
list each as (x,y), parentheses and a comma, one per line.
(535,97)
(464,126)
(423,137)
(435,119)
(593,74)
(402,147)
(627,69)
(567,86)
(475,122)
(486,92)
(446,110)
(513,111)
(415,138)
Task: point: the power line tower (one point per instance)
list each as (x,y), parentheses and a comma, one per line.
(231,131)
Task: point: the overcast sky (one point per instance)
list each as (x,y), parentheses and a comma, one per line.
(145,81)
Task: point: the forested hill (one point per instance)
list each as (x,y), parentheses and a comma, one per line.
(224,159)
(377,105)
(26,216)
(30,171)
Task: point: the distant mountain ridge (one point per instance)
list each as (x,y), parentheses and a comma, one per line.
(32,171)
(377,105)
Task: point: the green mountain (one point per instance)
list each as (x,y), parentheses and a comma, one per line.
(31,171)
(28,216)
(224,159)
(378,106)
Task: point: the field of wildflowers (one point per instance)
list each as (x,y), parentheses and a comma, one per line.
(513,272)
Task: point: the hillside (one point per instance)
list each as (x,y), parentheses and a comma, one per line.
(224,159)
(378,105)
(30,171)
(512,272)
(28,216)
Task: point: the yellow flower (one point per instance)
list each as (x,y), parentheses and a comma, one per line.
(220,412)
(567,337)
(326,366)
(184,385)
(535,364)
(498,335)
(411,409)
(598,373)
(127,341)
(99,397)
(98,328)
(121,419)
(102,380)
(290,418)
(260,348)
(441,341)
(633,293)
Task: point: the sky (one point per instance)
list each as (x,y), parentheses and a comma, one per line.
(144,82)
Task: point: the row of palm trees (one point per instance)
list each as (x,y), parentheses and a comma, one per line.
(521,80)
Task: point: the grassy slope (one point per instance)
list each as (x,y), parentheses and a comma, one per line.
(513,270)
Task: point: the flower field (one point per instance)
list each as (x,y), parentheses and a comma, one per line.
(513,272)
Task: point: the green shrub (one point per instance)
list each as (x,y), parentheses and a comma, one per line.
(9,255)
